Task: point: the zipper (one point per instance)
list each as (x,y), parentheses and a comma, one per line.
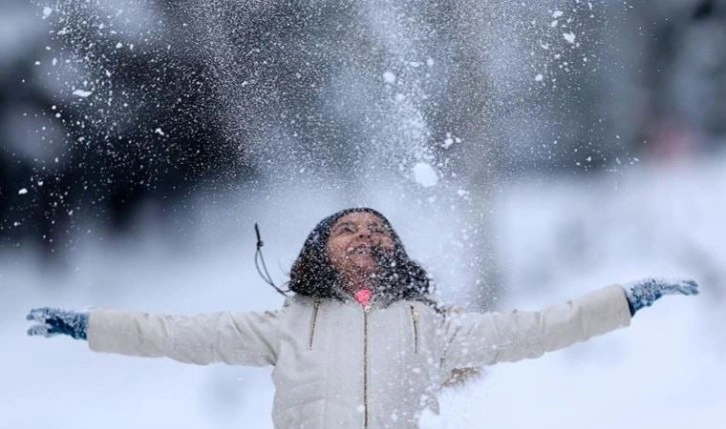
(414,320)
(365,368)
(313,321)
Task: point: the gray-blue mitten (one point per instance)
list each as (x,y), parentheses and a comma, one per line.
(644,292)
(54,321)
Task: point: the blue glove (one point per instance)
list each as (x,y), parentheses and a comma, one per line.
(643,293)
(54,321)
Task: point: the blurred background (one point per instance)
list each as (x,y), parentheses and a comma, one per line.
(526,153)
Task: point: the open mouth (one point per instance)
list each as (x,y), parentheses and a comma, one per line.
(361,249)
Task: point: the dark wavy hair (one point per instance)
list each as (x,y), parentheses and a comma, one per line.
(313,275)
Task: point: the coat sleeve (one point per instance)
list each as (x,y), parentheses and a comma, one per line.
(477,339)
(232,338)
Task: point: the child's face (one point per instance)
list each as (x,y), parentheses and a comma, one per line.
(352,242)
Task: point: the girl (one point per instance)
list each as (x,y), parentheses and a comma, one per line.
(360,343)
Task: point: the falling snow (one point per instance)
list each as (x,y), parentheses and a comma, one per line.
(389,77)
(82,93)
(425,175)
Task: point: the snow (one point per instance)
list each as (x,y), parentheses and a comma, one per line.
(425,175)
(23,191)
(448,141)
(47,11)
(82,93)
(389,77)
(570,37)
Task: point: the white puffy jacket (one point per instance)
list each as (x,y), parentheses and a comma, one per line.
(339,366)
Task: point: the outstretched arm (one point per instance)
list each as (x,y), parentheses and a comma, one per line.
(477,339)
(233,338)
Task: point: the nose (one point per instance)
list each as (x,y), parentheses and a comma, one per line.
(366,231)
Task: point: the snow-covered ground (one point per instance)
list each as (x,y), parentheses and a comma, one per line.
(556,238)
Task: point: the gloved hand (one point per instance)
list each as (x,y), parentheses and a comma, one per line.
(54,321)
(643,293)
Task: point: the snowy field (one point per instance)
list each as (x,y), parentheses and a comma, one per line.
(555,237)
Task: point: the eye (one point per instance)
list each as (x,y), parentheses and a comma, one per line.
(378,229)
(345,229)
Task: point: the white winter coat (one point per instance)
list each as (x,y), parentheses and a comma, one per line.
(339,366)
